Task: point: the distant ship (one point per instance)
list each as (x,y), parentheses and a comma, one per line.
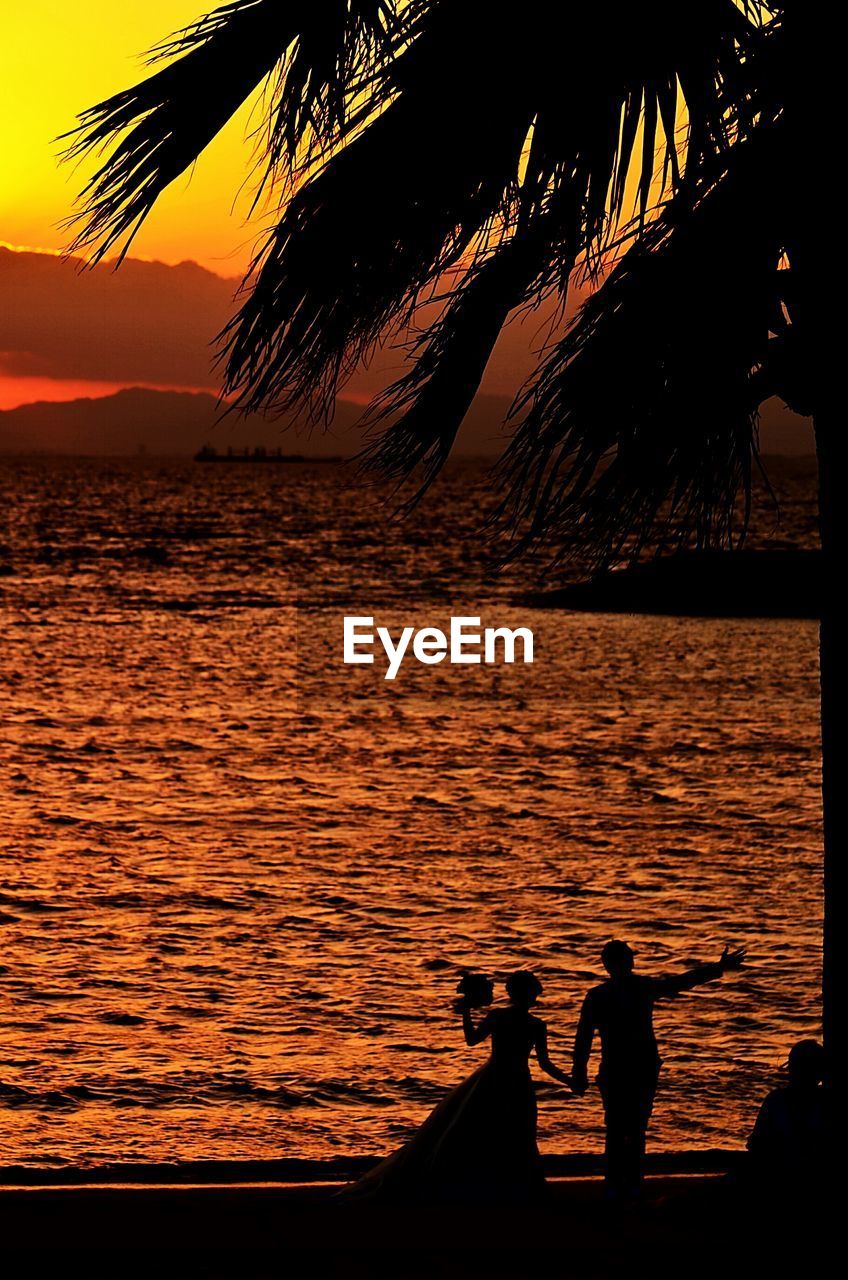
(210,454)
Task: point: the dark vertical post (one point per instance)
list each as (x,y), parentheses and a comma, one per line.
(833,790)
(806,166)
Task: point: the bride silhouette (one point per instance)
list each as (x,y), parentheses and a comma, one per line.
(479,1143)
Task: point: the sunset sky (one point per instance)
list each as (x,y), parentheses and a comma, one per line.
(60,58)
(64,335)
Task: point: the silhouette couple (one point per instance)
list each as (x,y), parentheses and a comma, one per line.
(479,1143)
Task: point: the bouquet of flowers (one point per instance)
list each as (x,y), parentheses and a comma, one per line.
(475,990)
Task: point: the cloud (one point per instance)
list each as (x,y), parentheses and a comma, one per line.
(148,322)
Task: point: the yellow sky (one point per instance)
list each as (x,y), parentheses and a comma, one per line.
(60,57)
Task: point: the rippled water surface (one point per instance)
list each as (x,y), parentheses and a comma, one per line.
(239,879)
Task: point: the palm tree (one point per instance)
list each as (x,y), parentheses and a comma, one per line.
(435,166)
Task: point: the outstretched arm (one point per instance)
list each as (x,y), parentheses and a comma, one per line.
(680,982)
(473,1035)
(583,1047)
(544,1060)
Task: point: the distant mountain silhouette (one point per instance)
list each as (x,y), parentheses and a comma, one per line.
(148,322)
(136,420)
(153,323)
(178,423)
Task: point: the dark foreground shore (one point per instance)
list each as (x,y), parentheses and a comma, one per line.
(690,1225)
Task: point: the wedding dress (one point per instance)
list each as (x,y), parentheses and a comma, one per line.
(479,1143)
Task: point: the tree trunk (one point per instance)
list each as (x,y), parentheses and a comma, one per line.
(804,177)
(833,802)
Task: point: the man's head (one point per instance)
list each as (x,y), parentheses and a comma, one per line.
(617,959)
(806,1064)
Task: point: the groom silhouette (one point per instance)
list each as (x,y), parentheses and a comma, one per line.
(621,1011)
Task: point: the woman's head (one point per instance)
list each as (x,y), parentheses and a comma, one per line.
(523,988)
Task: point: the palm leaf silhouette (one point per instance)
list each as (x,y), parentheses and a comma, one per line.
(639,427)
(160,126)
(413,144)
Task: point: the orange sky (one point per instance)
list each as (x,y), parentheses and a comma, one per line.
(59,58)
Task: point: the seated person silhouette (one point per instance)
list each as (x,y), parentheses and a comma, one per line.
(620,1011)
(788,1143)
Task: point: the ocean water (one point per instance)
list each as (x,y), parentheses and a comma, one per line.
(239,880)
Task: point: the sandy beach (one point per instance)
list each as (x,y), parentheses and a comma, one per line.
(201,1220)
(296,1229)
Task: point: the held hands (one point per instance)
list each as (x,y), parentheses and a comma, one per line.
(732,959)
(578,1083)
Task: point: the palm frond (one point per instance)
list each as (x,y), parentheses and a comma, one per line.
(434,173)
(640,427)
(160,126)
(427,405)
(416,193)
(424,151)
